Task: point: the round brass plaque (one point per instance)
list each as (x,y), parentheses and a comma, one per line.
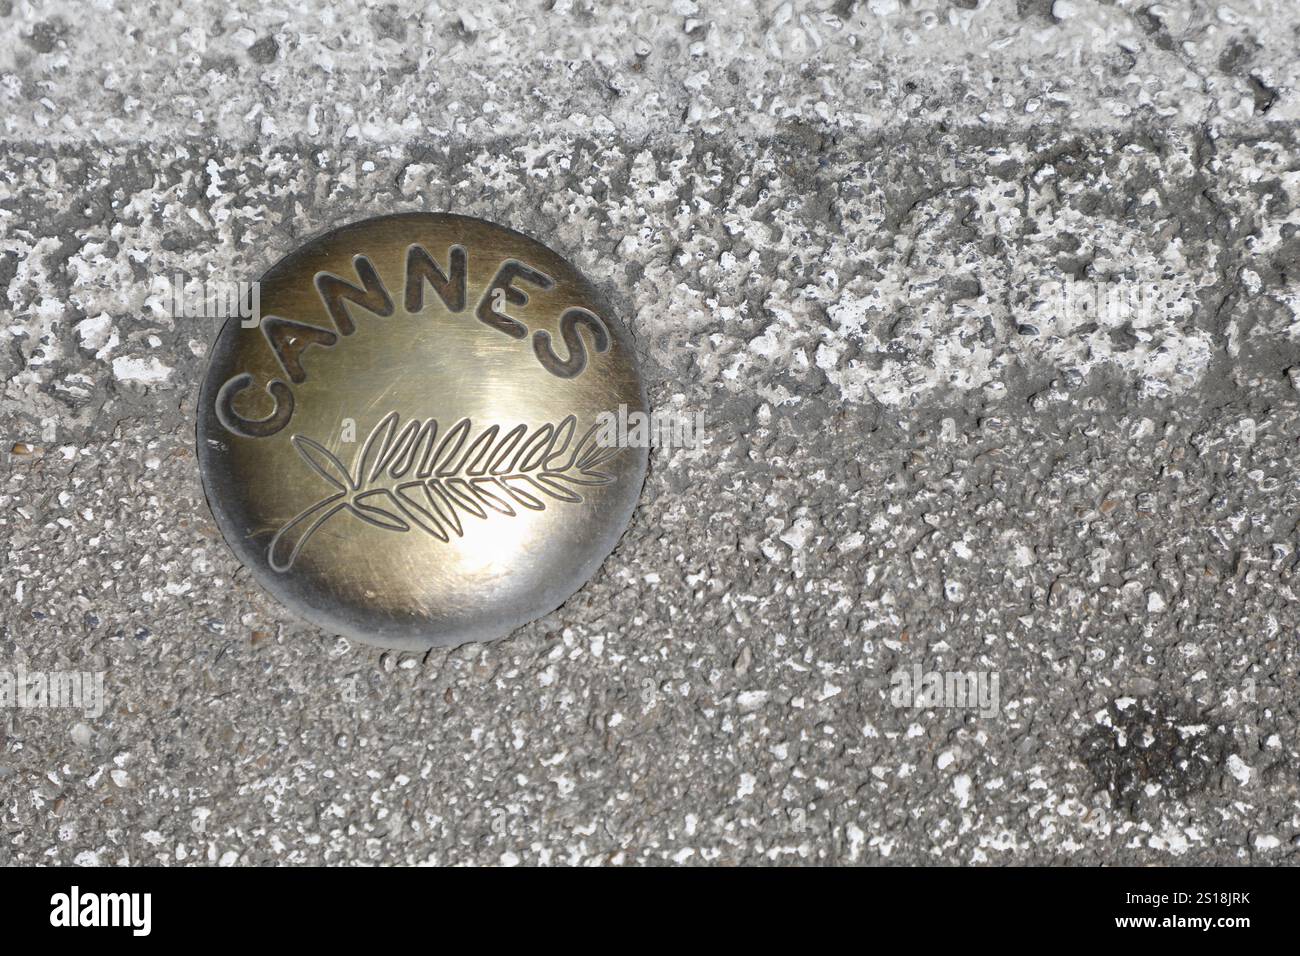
(417,444)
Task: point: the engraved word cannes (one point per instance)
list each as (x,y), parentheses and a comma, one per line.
(289,339)
(405,479)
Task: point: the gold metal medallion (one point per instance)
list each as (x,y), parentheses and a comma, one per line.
(413,446)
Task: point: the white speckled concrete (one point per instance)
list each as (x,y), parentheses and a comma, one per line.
(831,228)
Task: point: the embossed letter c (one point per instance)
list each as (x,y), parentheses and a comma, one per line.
(254,427)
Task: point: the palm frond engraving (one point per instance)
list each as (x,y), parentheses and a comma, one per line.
(411,477)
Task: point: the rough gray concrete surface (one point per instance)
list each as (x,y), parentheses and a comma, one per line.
(829,226)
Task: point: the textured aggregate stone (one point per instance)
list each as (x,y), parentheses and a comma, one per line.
(828,227)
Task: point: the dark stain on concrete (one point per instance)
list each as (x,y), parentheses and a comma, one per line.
(1154,741)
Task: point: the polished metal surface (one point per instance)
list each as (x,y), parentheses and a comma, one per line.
(407,449)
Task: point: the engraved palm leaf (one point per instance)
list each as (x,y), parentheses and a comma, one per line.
(404,478)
